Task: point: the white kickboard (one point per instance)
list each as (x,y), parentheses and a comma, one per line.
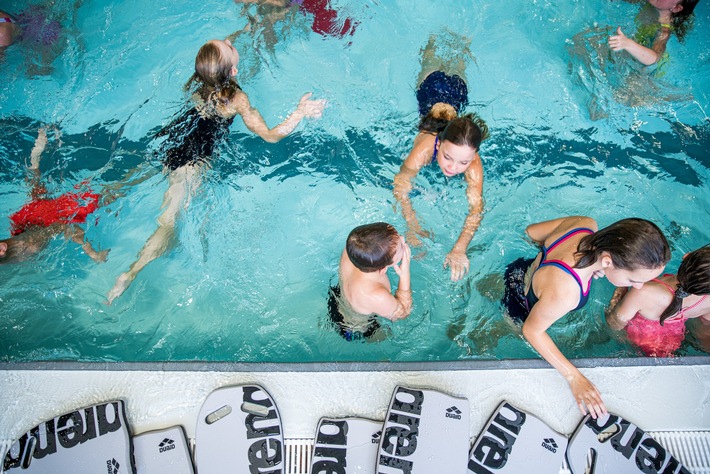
(425,431)
(346,446)
(239,431)
(613,445)
(89,440)
(514,441)
(162,452)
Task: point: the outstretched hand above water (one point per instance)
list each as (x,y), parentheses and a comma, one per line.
(311,108)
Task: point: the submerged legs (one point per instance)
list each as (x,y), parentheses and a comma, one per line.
(181,180)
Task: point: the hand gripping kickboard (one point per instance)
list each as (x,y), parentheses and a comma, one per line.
(89,440)
(425,432)
(239,431)
(162,452)
(514,441)
(346,446)
(613,445)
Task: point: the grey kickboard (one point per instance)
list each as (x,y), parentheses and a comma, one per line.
(162,452)
(346,446)
(86,441)
(238,431)
(425,431)
(613,445)
(514,441)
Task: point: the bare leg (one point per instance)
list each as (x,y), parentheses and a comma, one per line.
(452,59)
(181,181)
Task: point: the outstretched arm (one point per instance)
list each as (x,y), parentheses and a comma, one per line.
(457,259)
(307,108)
(76,234)
(545,312)
(644,55)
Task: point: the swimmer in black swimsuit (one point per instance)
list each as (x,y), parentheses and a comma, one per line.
(192,139)
(448,141)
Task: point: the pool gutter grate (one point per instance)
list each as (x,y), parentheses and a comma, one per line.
(692,448)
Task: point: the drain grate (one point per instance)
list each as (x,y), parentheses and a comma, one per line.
(297,453)
(692,448)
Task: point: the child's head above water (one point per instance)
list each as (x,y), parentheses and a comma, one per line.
(373,247)
(215,67)
(681,11)
(693,279)
(636,251)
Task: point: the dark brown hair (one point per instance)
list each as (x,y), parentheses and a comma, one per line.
(693,279)
(371,247)
(631,243)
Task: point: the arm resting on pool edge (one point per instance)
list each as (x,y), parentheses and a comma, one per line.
(457,259)
(542,316)
(307,108)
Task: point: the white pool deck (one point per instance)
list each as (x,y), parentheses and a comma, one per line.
(658,395)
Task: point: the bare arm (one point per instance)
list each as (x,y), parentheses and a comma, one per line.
(644,55)
(556,301)
(457,259)
(421,151)
(253,120)
(542,230)
(622,308)
(397,306)
(76,234)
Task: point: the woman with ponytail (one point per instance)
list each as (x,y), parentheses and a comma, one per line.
(654,316)
(192,139)
(448,141)
(540,291)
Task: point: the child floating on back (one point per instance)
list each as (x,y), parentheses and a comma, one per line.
(364,289)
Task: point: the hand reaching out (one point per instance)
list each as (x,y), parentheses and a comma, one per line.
(311,108)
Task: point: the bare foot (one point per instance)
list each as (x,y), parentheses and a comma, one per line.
(122,283)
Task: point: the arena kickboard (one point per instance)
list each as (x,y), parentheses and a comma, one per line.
(239,430)
(425,431)
(162,452)
(613,445)
(346,446)
(514,441)
(86,441)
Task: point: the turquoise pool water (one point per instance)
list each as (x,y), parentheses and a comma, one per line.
(259,244)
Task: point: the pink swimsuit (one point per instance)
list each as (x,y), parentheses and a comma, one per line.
(656,340)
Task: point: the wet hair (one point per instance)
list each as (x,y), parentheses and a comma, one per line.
(693,279)
(212,76)
(469,130)
(631,243)
(438,117)
(371,247)
(683,20)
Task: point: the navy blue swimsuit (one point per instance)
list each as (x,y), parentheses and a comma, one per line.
(516,301)
(440,87)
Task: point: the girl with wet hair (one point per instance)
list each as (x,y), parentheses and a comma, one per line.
(192,139)
(446,140)
(541,291)
(654,316)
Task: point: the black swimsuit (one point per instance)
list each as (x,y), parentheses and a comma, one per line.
(192,138)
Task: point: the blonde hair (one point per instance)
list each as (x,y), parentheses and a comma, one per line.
(212,76)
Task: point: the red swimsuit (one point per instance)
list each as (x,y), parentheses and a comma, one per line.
(69,208)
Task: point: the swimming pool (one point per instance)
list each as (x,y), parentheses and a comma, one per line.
(259,245)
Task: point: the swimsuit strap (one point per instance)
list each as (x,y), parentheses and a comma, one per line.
(682,311)
(669,287)
(569,234)
(436,150)
(6,19)
(566,268)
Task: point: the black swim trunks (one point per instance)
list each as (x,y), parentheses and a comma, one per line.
(348,333)
(514,298)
